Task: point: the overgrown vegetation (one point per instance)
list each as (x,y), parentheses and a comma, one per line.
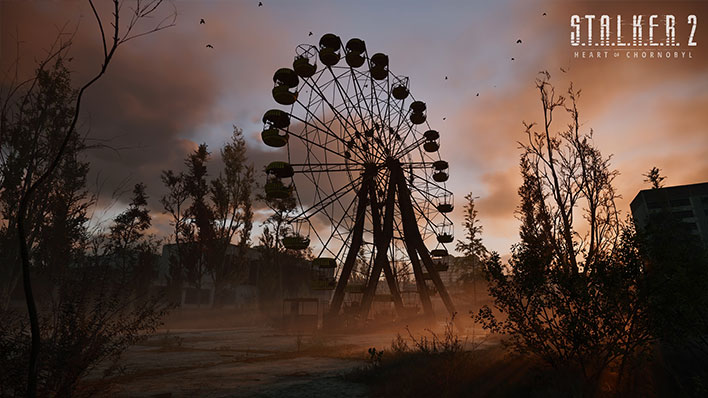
(583,291)
(207,215)
(587,305)
(83,308)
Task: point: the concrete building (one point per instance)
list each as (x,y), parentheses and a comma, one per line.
(688,203)
(240,294)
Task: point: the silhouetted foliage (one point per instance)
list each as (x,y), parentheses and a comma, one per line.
(129,248)
(572,298)
(280,270)
(174,203)
(208,215)
(88,312)
(30,135)
(231,194)
(45,108)
(91,322)
(654,177)
(471,247)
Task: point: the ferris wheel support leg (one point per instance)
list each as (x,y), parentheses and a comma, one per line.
(357,236)
(435,276)
(382,239)
(393,288)
(411,237)
(420,281)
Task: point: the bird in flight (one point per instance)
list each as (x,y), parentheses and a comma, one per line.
(518,41)
(444,118)
(201,21)
(445,77)
(209,46)
(512,58)
(544,14)
(310,34)
(477,94)
(260,4)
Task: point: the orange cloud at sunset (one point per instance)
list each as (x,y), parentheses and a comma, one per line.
(167,92)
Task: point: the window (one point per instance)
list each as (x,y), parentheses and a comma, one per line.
(680,202)
(683,214)
(690,226)
(656,205)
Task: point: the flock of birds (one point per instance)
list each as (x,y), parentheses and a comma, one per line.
(260,4)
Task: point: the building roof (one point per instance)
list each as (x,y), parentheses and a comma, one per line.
(666,193)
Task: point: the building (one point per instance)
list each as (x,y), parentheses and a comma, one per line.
(688,203)
(240,293)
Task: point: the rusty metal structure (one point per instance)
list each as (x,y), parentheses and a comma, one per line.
(362,163)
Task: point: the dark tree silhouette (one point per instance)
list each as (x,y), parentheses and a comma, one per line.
(472,247)
(200,232)
(174,203)
(570,297)
(57,212)
(231,194)
(35,179)
(128,245)
(209,215)
(654,177)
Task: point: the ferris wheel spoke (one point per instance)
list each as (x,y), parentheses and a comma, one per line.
(323,147)
(338,224)
(401,136)
(374,123)
(419,165)
(416,144)
(307,214)
(327,131)
(360,91)
(402,115)
(422,213)
(324,167)
(335,111)
(350,119)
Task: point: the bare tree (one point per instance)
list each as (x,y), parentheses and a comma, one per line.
(175,203)
(571,293)
(35,179)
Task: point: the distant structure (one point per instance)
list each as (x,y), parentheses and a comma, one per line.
(688,203)
(241,294)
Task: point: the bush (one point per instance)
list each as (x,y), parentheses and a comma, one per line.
(84,331)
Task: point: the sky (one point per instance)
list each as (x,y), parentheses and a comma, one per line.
(167,92)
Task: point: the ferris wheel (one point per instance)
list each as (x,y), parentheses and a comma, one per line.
(362,163)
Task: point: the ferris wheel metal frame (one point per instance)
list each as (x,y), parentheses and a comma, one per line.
(370,181)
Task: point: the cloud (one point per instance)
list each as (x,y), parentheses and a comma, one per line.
(167,92)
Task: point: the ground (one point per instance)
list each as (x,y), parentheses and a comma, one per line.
(202,353)
(240,362)
(253,361)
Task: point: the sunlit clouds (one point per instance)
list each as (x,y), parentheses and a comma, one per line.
(167,92)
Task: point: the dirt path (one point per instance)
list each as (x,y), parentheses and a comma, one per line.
(242,362)
(247,362)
